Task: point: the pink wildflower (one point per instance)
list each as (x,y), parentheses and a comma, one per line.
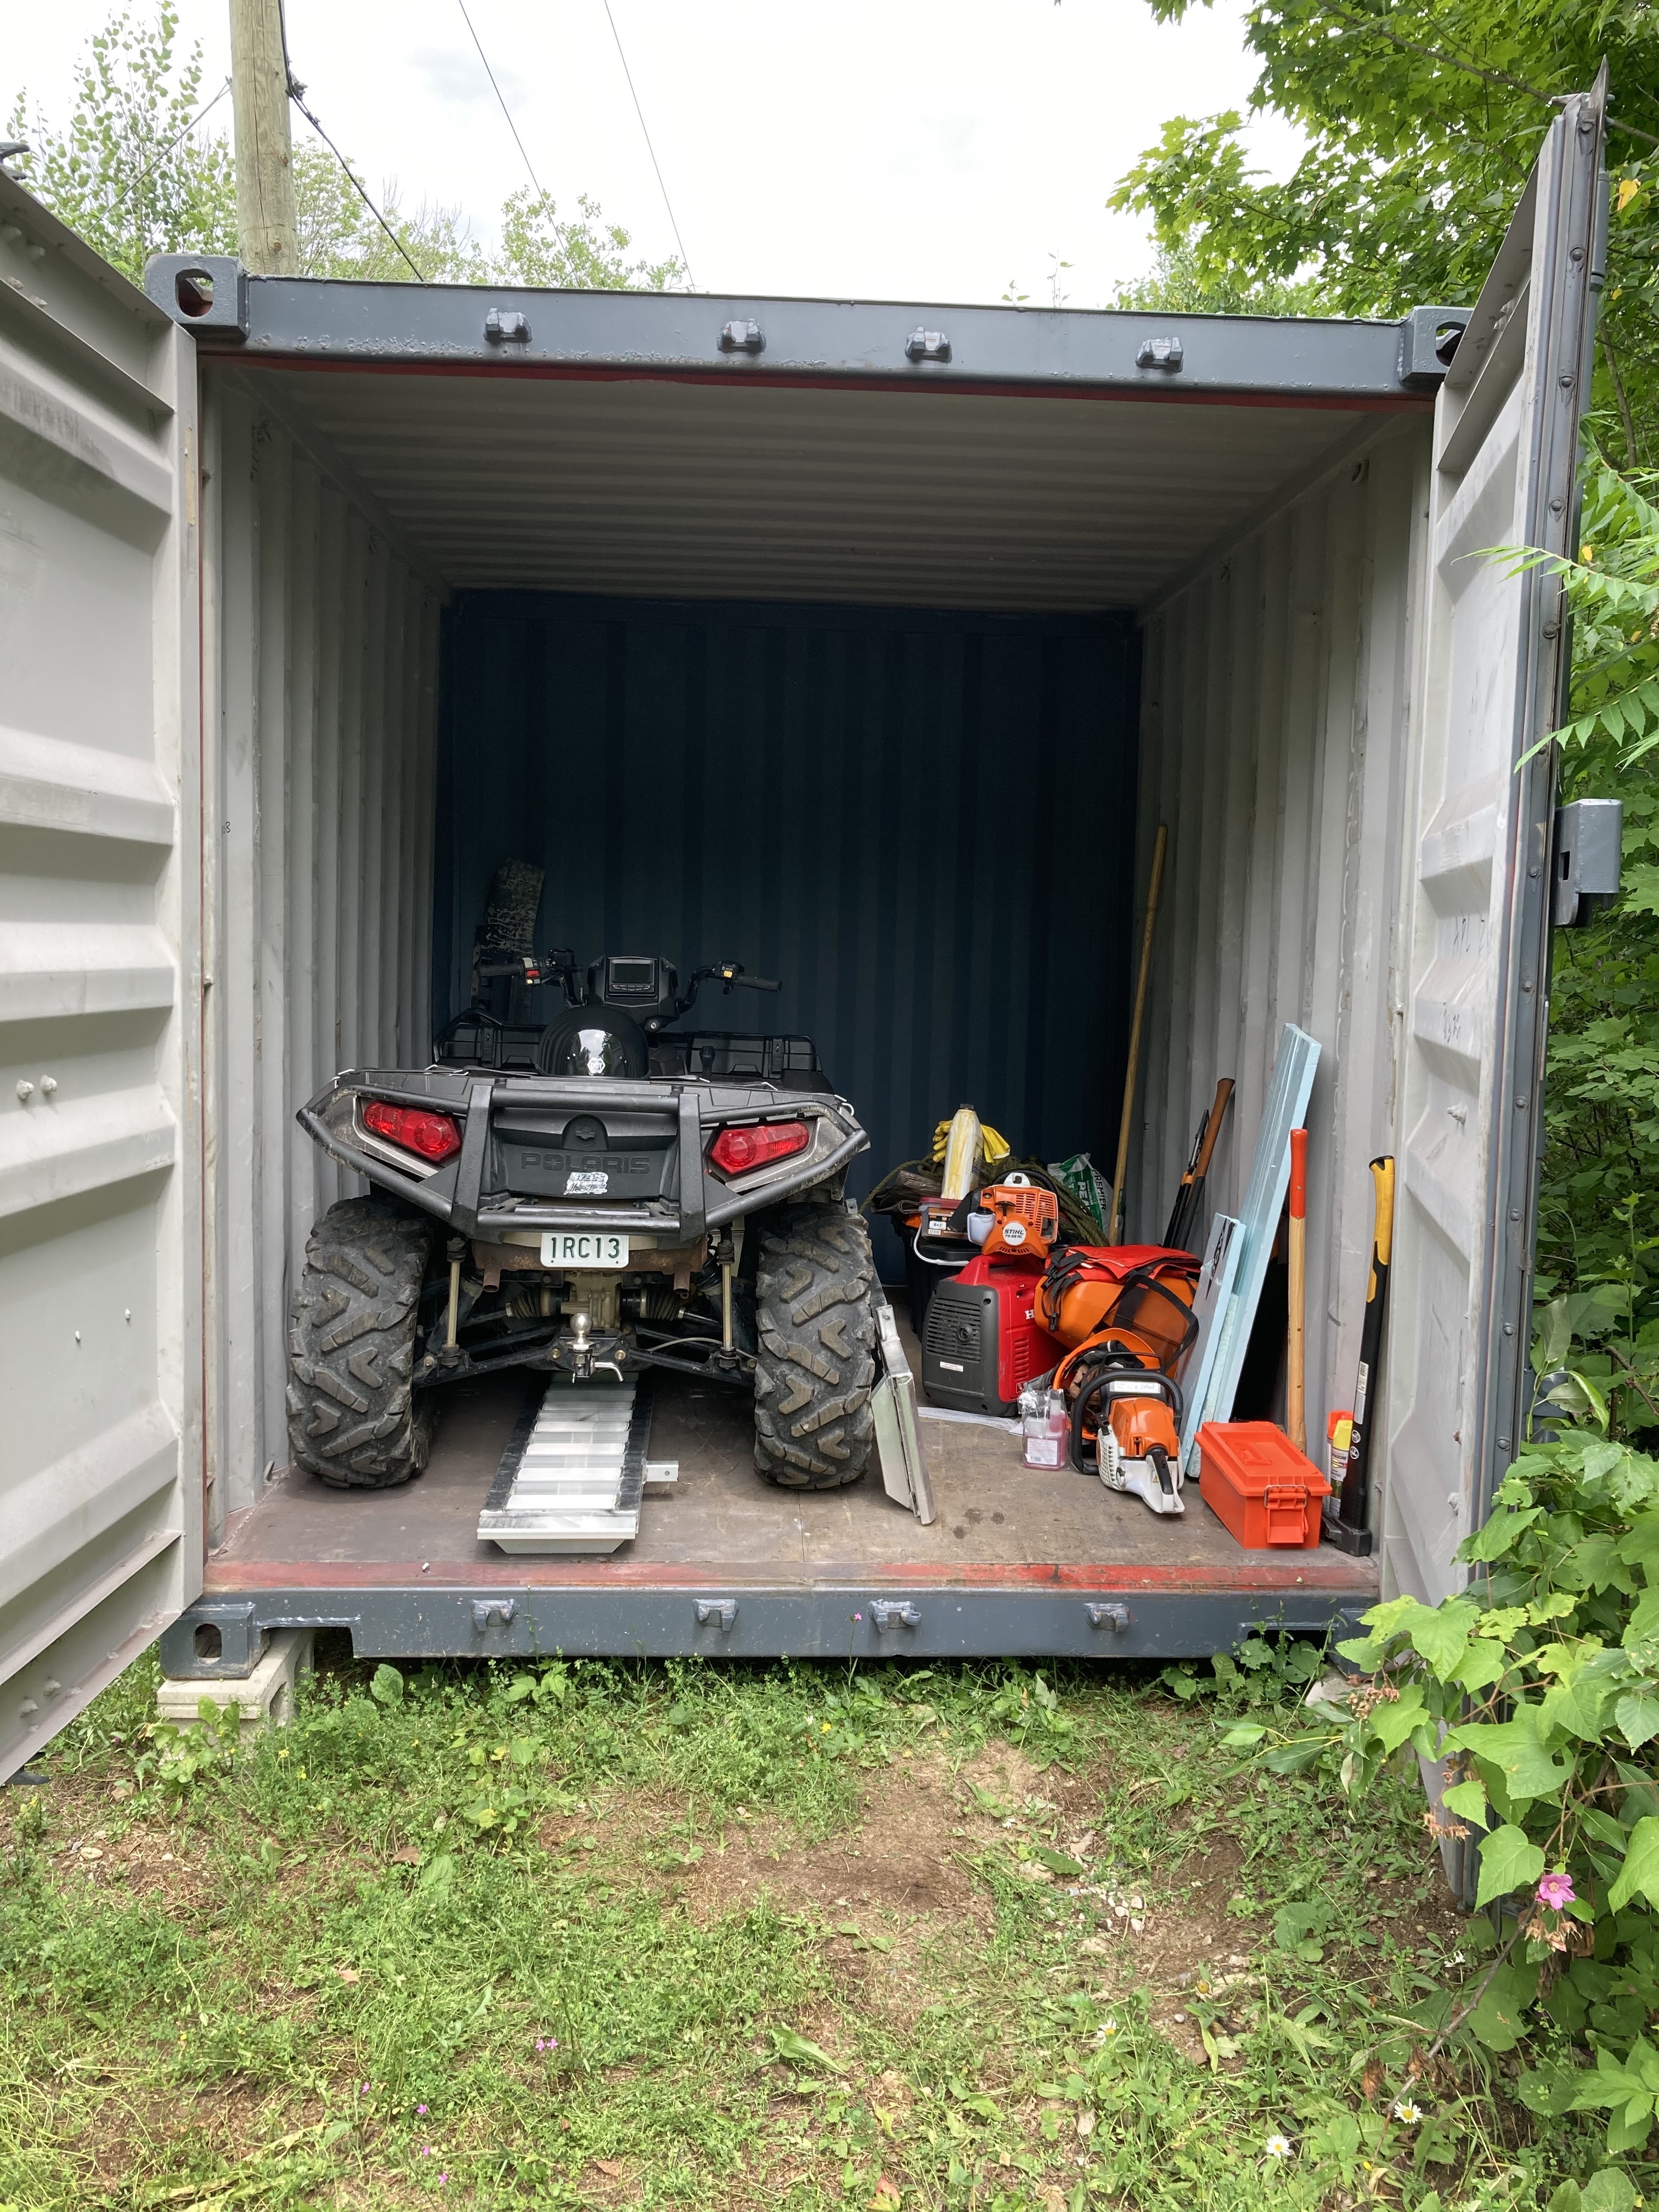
(1556,1890)
(421,2109)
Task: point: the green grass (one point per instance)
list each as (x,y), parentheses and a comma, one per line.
(733,1936)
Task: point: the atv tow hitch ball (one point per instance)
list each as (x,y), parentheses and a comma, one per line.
(581,1355)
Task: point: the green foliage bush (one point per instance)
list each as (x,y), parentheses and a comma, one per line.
(1534,1696)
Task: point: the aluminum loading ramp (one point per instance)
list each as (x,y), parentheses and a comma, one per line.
(574,1472)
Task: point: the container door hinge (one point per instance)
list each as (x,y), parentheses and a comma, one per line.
(1115,1617)
(486,1609)
(507,327)
(927,345)
(723,1611)
(1159,353)
(894,1614)
(742,337)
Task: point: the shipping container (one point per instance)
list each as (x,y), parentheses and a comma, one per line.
(868,643)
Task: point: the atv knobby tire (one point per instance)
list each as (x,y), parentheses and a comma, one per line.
(352,1416)
(816,1366)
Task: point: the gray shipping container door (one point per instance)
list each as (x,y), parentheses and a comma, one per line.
(918,822)
(101,1068)
(1475,928)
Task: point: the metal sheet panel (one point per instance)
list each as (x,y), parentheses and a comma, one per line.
(1476,909)
(321,654)
(650,486)
(1274,744)
(910,818)
(100,986)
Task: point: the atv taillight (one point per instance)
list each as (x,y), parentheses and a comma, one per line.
(735,1152)
(436,1137)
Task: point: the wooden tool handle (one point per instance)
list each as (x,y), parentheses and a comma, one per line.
(1224,1091)
(1295,1377)
(1124,1126)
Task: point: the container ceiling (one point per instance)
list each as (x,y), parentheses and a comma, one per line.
(690,488)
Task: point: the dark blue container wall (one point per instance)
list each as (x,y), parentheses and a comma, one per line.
(921,822)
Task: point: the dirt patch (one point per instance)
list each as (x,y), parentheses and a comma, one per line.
(233,2122)
(918,1826)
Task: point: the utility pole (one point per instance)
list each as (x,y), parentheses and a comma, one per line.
(267,235)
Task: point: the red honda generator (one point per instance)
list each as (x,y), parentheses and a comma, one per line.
(983,1342)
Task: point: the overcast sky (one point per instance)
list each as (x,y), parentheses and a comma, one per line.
(901,149)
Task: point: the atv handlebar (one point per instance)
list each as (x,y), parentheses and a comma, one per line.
(726,974)
(559,966)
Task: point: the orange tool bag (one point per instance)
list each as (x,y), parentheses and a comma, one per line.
(1145,1287)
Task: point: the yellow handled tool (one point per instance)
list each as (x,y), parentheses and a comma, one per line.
(1348,1529)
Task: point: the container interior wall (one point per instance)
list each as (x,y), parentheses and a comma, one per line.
(321,645)
(1274,743)
(910,818)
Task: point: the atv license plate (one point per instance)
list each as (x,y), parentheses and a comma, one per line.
(583,1247)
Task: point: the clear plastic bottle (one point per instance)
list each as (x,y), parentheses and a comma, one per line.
(1046,1427)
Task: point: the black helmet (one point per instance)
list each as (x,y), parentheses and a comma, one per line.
(592,1041)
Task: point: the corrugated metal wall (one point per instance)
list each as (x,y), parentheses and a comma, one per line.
(1274,730)
(321,645)
(911,818)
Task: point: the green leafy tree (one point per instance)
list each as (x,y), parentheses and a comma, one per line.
(1176,285)
(1422,119)
(579,254)
(1598,1283)
(127,171)
(340,236)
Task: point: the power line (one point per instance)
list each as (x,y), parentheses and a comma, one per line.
(497,89)
(151,166)
(296,92)
(685,261)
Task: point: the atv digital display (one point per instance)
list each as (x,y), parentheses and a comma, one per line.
(632,980)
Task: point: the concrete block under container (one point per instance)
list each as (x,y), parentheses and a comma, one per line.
(264,1697)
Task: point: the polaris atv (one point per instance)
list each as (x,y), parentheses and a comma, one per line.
(596,1195)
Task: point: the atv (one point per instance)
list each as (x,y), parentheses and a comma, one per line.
(599,1194)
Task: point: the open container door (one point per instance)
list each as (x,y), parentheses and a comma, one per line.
(1475,918)
(101,1465)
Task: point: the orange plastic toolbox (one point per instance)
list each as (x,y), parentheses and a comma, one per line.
(1255,1481)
